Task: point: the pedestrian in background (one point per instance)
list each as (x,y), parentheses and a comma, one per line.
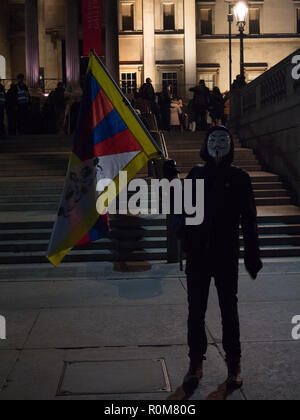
(216,106)
(11,110)
(147,93)
(165,100)
(175,115)
(23,101)
(2,109)
(202,103)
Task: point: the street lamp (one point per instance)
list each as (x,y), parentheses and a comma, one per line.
(240,12)
(230,19)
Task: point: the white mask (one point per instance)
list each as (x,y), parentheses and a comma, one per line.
(219,145)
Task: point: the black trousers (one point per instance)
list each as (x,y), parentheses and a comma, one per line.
(2,130)
(22,118)
(198,293)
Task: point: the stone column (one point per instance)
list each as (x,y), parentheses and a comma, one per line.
(4,41)
(32,44)
(190,45)
(149,40)
(72,45)
(112,38)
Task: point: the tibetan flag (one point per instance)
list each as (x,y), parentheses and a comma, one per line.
(109,138)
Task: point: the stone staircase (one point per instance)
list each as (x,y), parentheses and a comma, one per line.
(32,171)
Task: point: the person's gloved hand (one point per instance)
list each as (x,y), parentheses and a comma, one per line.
(170,170)
(253,267)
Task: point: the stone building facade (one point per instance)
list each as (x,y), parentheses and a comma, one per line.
(174,41)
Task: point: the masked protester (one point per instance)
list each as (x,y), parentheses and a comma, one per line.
(213,249)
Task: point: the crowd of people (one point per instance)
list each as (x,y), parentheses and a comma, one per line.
(206,109)
(26,115)
(57,114)
(15,102)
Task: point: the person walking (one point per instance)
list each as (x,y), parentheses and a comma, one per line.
(23,101)
(58,102)
(216,106)
(165,100)
(147,93)
(11,110)
(175,112)
(213,249)
(201,103)
(2,109)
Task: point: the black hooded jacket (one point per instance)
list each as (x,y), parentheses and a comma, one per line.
(229,201)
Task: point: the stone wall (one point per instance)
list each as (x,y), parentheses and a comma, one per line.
(266,116)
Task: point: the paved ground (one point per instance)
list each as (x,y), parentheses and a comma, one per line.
(85,331)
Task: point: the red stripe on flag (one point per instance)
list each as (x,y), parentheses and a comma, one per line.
(123,142)
(85,240)
(101,107)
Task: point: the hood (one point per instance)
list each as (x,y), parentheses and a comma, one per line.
(227,160)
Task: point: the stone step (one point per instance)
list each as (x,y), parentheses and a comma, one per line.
(273,201)
(279,221)
(257,186)
(271,193)
(279,229)
(54,197)
(184,170)
(270,230)
(148,242)
(37,172)
(142,255)
(53,206)
(45,234)
(104,244)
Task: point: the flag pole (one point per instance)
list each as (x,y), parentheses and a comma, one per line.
(126,101)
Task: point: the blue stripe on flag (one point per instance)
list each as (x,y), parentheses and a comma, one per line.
(109,127)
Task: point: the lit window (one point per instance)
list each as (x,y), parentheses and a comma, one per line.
(127,17)
(128,82)
(298,21)
(170,79)
(254,21)
(169,17)
(205,25)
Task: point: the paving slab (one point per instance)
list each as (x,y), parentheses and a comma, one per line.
(38,374)
(267,288)
(260,321)
(18,327)
(95,270)
(91,293)
(271,370)
(35,377)
(110,326)
(8,359)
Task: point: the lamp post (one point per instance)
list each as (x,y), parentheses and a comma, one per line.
(230,20)
(240,12)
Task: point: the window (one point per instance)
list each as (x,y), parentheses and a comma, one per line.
(205,22)
(170,79)
(209,78)
(128,82)
(127,17)
(254,21)
(298,21)
(169,17)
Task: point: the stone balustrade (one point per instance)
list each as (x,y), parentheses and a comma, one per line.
(266,116)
